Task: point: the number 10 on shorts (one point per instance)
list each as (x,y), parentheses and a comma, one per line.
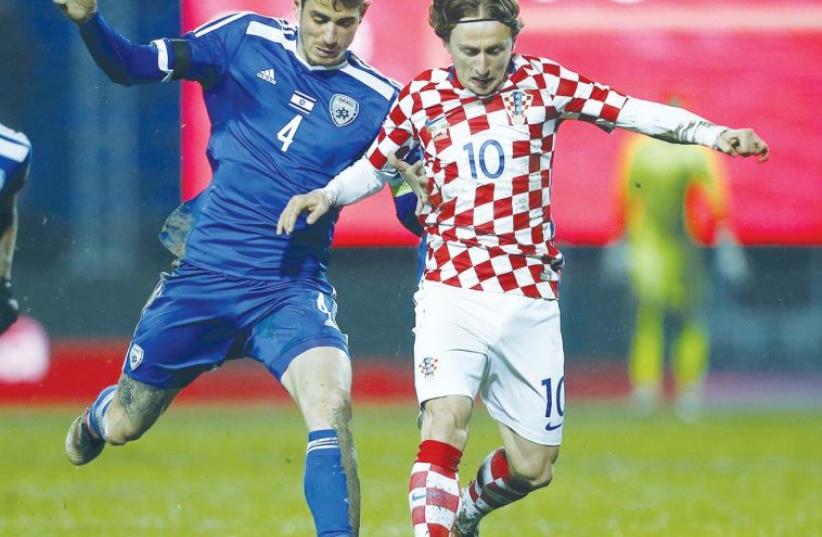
(552,396)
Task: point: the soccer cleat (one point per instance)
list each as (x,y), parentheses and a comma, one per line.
(466,525)
(464,530)
(82,446)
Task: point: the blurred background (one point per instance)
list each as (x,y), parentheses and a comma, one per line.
(681,234)
(110,163)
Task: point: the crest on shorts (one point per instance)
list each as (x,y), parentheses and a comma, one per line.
(428,367)
(135,356)
(517,104)
(343,109)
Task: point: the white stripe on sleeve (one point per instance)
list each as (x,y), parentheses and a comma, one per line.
(162,58)
(218,23)
(383,88)
(13,151)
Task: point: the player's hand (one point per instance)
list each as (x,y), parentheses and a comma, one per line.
(414,176)
(78,11)
(743,142)
(9,308)
(315,202)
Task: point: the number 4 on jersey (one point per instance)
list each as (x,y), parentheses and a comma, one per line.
(287,133)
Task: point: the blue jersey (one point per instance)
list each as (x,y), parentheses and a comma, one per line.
(15,157)
(279,127)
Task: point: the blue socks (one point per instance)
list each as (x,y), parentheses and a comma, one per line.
(326,490)
(98,410)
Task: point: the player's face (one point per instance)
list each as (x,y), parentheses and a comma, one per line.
(481,52)
(326,32)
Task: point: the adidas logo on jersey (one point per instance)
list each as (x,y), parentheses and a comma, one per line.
(267,75)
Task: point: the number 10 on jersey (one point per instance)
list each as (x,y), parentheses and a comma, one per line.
(489,159)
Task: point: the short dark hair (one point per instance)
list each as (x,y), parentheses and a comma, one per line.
(348,4)
(443,15)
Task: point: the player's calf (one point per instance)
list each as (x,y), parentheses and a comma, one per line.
(134,409)
(119,414)
(500,482)
(319,380)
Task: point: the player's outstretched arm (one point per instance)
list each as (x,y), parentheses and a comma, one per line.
(78,11)
(356,182)
(316,203)
(743,143)
(679,126)
(124,62)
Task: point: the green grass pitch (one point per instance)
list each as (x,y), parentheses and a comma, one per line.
(237,471)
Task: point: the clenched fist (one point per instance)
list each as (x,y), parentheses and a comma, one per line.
(743,142)
(78,11)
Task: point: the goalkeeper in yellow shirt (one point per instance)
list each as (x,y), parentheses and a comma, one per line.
(665,265)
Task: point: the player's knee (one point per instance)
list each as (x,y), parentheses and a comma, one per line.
(327,407)
(123,430)
(534,472)
(445,423)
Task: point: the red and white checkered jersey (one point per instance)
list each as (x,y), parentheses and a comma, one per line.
(488,160)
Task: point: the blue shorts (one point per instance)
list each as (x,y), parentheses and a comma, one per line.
(196,319)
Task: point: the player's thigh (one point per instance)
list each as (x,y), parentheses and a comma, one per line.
(182,332)
(319,381)
(525,386)
(303,319)
(452,329)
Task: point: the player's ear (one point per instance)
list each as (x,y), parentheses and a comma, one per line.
(298,8)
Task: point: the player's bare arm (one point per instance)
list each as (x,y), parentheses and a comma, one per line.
(356,182)
(78,11)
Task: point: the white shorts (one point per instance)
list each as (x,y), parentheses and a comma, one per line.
(506,347)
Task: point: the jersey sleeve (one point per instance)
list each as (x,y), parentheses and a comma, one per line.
(203,55)
(577,97)
(396,132)
(200,55)
(15,159)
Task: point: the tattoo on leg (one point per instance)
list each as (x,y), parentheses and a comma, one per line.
(341,422)
(142,403)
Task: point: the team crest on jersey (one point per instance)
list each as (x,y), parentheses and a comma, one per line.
(428,367)
(135,356)
(344,109)
(517,104)
(437,127)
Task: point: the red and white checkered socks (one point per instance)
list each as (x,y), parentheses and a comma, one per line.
(434,489)
(493,488)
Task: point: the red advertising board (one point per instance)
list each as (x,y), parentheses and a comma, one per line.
(753,63)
